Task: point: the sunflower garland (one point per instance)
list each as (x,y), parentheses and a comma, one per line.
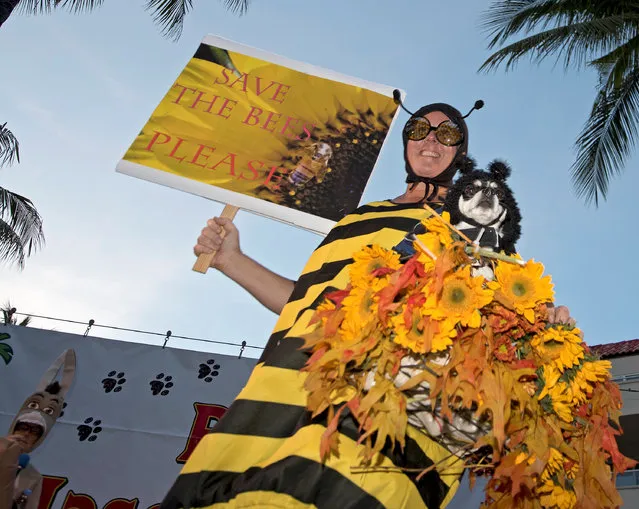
(473,362)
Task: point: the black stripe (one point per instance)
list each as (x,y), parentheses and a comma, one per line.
(303,479)
(261,419)
(277,420)
(367,226)
(325,273)
(431,487)
(284,352)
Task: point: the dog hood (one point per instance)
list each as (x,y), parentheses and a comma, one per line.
(44,406)
(446,177)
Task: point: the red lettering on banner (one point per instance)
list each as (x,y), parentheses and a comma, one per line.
(121,503)
(241,80)
(230,162)
(78,501)
(274,180)
(253,115)
(155,138)
(206,415)
(198,153)
(51,485)
(226,75)
(278,94)
(253,169)
(184,89)
(177,146)
(269,119)
(281,90)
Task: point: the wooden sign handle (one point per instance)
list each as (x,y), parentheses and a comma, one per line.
(203,261)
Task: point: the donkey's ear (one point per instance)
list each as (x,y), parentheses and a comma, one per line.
(66,362)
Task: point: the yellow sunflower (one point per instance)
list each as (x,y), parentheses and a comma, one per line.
(428,244)
(524,286)
(554,496)
(360,312)
(461,298)
(422,334)
(367,269)
(439,228)
(560,346)
(591,372)
(563,401)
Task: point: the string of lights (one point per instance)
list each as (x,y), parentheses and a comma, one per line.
(167,335)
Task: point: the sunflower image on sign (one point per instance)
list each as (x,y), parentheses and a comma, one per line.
(263,133)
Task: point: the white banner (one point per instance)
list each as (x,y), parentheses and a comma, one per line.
(133,414)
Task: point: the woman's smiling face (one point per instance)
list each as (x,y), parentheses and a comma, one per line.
(428,158)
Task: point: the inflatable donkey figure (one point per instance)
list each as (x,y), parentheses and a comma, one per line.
(20,482)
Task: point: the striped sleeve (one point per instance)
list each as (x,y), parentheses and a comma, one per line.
(264,452)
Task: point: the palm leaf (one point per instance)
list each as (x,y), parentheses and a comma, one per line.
(9,146)
(47,6)
(6,352)
(607,139)
(616,65)
(20,227)
(170,14)
(506,18)
(578,43)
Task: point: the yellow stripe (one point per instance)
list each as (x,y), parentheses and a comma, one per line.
(263,500)
(348,247)
(343,249)
(416,213)
(291,311)
(219,451)
(275,385)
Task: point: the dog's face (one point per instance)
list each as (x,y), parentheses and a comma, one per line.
(483,199)
(480,200)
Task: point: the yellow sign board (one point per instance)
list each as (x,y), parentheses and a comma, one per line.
(263,133)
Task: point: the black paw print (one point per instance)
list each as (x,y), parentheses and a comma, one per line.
(161,384)
(208,370)
(113,382)
(89,430)
(64,405)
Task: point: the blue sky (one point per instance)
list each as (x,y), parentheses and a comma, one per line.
(77,89)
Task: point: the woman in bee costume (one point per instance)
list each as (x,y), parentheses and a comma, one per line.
(20,481)
(264,452)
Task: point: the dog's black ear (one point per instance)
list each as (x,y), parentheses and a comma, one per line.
(466,165)
(499,170)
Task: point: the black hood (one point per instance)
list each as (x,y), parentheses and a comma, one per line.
(446,177)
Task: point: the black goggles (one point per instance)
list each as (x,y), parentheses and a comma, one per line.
(447,133)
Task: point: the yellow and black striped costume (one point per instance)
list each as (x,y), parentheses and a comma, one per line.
(264,452)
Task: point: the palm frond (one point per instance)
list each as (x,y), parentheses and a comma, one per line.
(239,6)
(577,43)
(78,6)
(11,247)
(170,14)
(616,65)
(9,147)
(36,7)
(504,19)
(20,227)
(607,139)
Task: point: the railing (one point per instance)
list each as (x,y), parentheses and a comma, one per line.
(629,479)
